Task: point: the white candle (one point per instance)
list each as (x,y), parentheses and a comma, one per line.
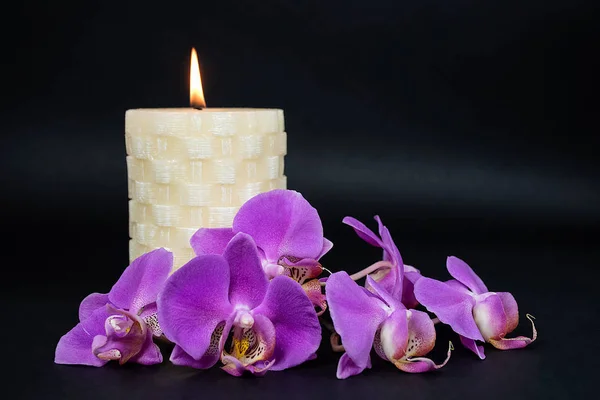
(189,168)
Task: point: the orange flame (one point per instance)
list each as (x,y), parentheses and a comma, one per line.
(196,93)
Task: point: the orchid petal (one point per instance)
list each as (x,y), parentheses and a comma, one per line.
(91,303)
(450,305)
(213,352)
(347,368)
(150,317)
(314,292)
(195,299)
(282,223)
(149,353)
(515,343)
(75,347)
(461,271)
(234,367)
(297,328)
(423,364)
(141,281)
(302,269)
(248,283)
(411,275)
(421,333)
(349,304)
(473,346)
(511,309)
(394,335)
(408,294)
(327,245)
(376,288)
(453,283)
(363,232)
(125,335)
(211,240)
(180,358)
(490,316)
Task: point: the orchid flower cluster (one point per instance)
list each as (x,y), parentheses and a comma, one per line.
(254,296)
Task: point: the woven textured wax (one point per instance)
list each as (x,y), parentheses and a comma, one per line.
(189,169)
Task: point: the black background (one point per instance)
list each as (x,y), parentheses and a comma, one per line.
(469,128)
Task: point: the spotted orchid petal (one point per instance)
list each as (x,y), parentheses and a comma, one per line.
(348,304)
(315,294)
(405,337)
(300,270)
(421,340)
(211,240)
(252,348)
(282,223)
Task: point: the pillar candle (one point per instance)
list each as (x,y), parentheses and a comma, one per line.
(190,168)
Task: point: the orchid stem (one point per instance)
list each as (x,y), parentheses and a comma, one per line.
(334,341)
(372,268)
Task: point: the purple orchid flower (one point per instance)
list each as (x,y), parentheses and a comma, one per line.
(471,310)
(288,233)
(366,319)
(273,323)
(120,325)
(391,279)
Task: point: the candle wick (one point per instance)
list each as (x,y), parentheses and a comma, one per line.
(197,107)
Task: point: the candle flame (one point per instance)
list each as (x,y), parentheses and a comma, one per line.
(196,93)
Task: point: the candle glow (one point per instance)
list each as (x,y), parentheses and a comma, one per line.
(196,93)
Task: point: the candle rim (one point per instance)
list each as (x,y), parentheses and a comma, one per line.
(210,109)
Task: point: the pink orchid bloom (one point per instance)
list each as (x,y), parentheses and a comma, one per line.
(472,311)
(121,324)
(288,233)
(271,323)
(375,319)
